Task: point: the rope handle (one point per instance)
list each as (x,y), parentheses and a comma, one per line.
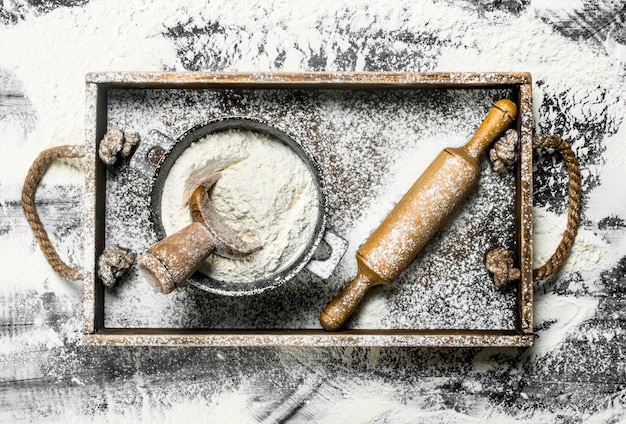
(34,176)
(573,210)
(500,261)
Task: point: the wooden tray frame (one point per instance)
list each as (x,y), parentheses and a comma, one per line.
(97,87)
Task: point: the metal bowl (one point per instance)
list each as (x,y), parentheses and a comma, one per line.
(168,157)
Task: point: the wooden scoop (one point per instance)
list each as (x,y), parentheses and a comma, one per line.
(170,262)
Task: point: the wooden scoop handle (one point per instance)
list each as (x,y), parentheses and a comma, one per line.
(170,262)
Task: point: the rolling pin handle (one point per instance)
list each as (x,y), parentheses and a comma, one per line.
(501,115)
(337,312)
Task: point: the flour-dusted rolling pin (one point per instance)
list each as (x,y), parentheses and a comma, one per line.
(418,215)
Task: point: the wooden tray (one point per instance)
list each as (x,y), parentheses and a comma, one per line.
(356,125)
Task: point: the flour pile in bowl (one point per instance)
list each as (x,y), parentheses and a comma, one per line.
(266,193)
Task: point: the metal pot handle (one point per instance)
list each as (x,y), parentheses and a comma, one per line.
(150,153)
(323,268)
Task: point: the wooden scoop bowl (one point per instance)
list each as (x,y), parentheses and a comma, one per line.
(170,262)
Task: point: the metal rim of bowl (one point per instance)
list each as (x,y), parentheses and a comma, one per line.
(257,125)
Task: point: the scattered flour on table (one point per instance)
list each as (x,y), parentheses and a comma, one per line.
(222,406)
(561,316)
(266,193)
(589,251)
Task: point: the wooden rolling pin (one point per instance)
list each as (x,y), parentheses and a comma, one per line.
(418,215)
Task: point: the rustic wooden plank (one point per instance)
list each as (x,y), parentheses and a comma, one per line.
(310,338)
(92,291)
(315,79)
(524,216)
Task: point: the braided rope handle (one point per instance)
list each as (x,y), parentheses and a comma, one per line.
(500,261)
(573,210)
(34,176)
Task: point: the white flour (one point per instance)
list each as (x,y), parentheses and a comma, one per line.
(589,251)
(266,193)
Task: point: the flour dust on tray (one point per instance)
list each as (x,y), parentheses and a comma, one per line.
(266,193)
